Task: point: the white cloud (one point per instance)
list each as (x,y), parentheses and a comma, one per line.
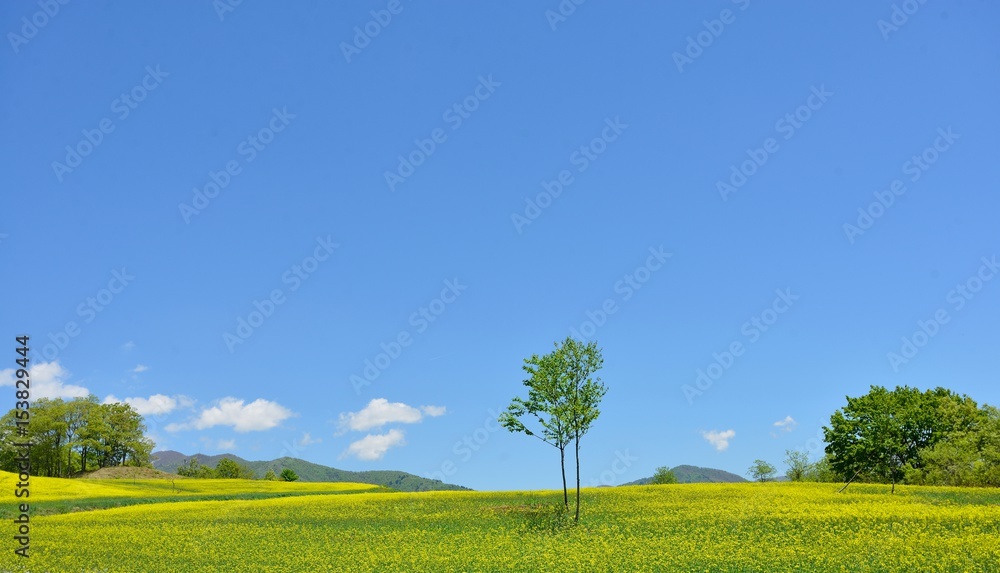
(157,404)
(306,440)
(433,411)
(374,446)
(253,417)
(786,425)
(219,445)
(47,381)
(719,440)
(140,368)
(128,346)
(380,412)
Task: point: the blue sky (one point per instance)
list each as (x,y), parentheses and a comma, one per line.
(221,214)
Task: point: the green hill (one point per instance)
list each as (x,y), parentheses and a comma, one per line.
(695,474)
(170,460)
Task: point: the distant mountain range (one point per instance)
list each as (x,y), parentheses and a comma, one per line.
(694,474)
(169,460)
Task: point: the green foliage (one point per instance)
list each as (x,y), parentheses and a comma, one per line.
(663,476)
(269,476)
(761,471)
(798,465)
(962,458)
(562,399)
(822,471)
(74,436)
(288,474)
(936,436)
(193,469)
(227,468)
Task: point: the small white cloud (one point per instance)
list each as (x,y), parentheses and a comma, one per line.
(307,440)
(128,346)
(380,412)
(140,368)
(48,380)
(155,405)
(374,446)
(786,425)
(433,411)
(719,440)
(218,445)
(253,417)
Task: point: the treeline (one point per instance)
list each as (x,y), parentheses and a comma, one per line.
(934,437)
(228,469)
(69,437)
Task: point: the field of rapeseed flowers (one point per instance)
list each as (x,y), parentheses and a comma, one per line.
(770,527)
(55,495)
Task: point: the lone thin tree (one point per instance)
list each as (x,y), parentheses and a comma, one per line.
(761,471)
(798,465)
(563,399)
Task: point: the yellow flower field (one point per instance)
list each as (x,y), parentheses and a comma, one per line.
(58,489)
(770,527)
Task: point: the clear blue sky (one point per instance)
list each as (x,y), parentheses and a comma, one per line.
(304,136)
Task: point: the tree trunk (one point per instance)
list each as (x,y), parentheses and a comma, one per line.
(849,481)
(577,518)
(562,465)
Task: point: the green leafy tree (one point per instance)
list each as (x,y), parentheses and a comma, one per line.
(547,400)
(72,436)
(91,439)
(269,475)
(663,476)
(989,448)
(288,474)
(79,416)
(563,399)
(123,437)
(227,469)
(761,471)
(821,471)
(963,457)
(193,469)
(880,436)
(954,461)
(798,465)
